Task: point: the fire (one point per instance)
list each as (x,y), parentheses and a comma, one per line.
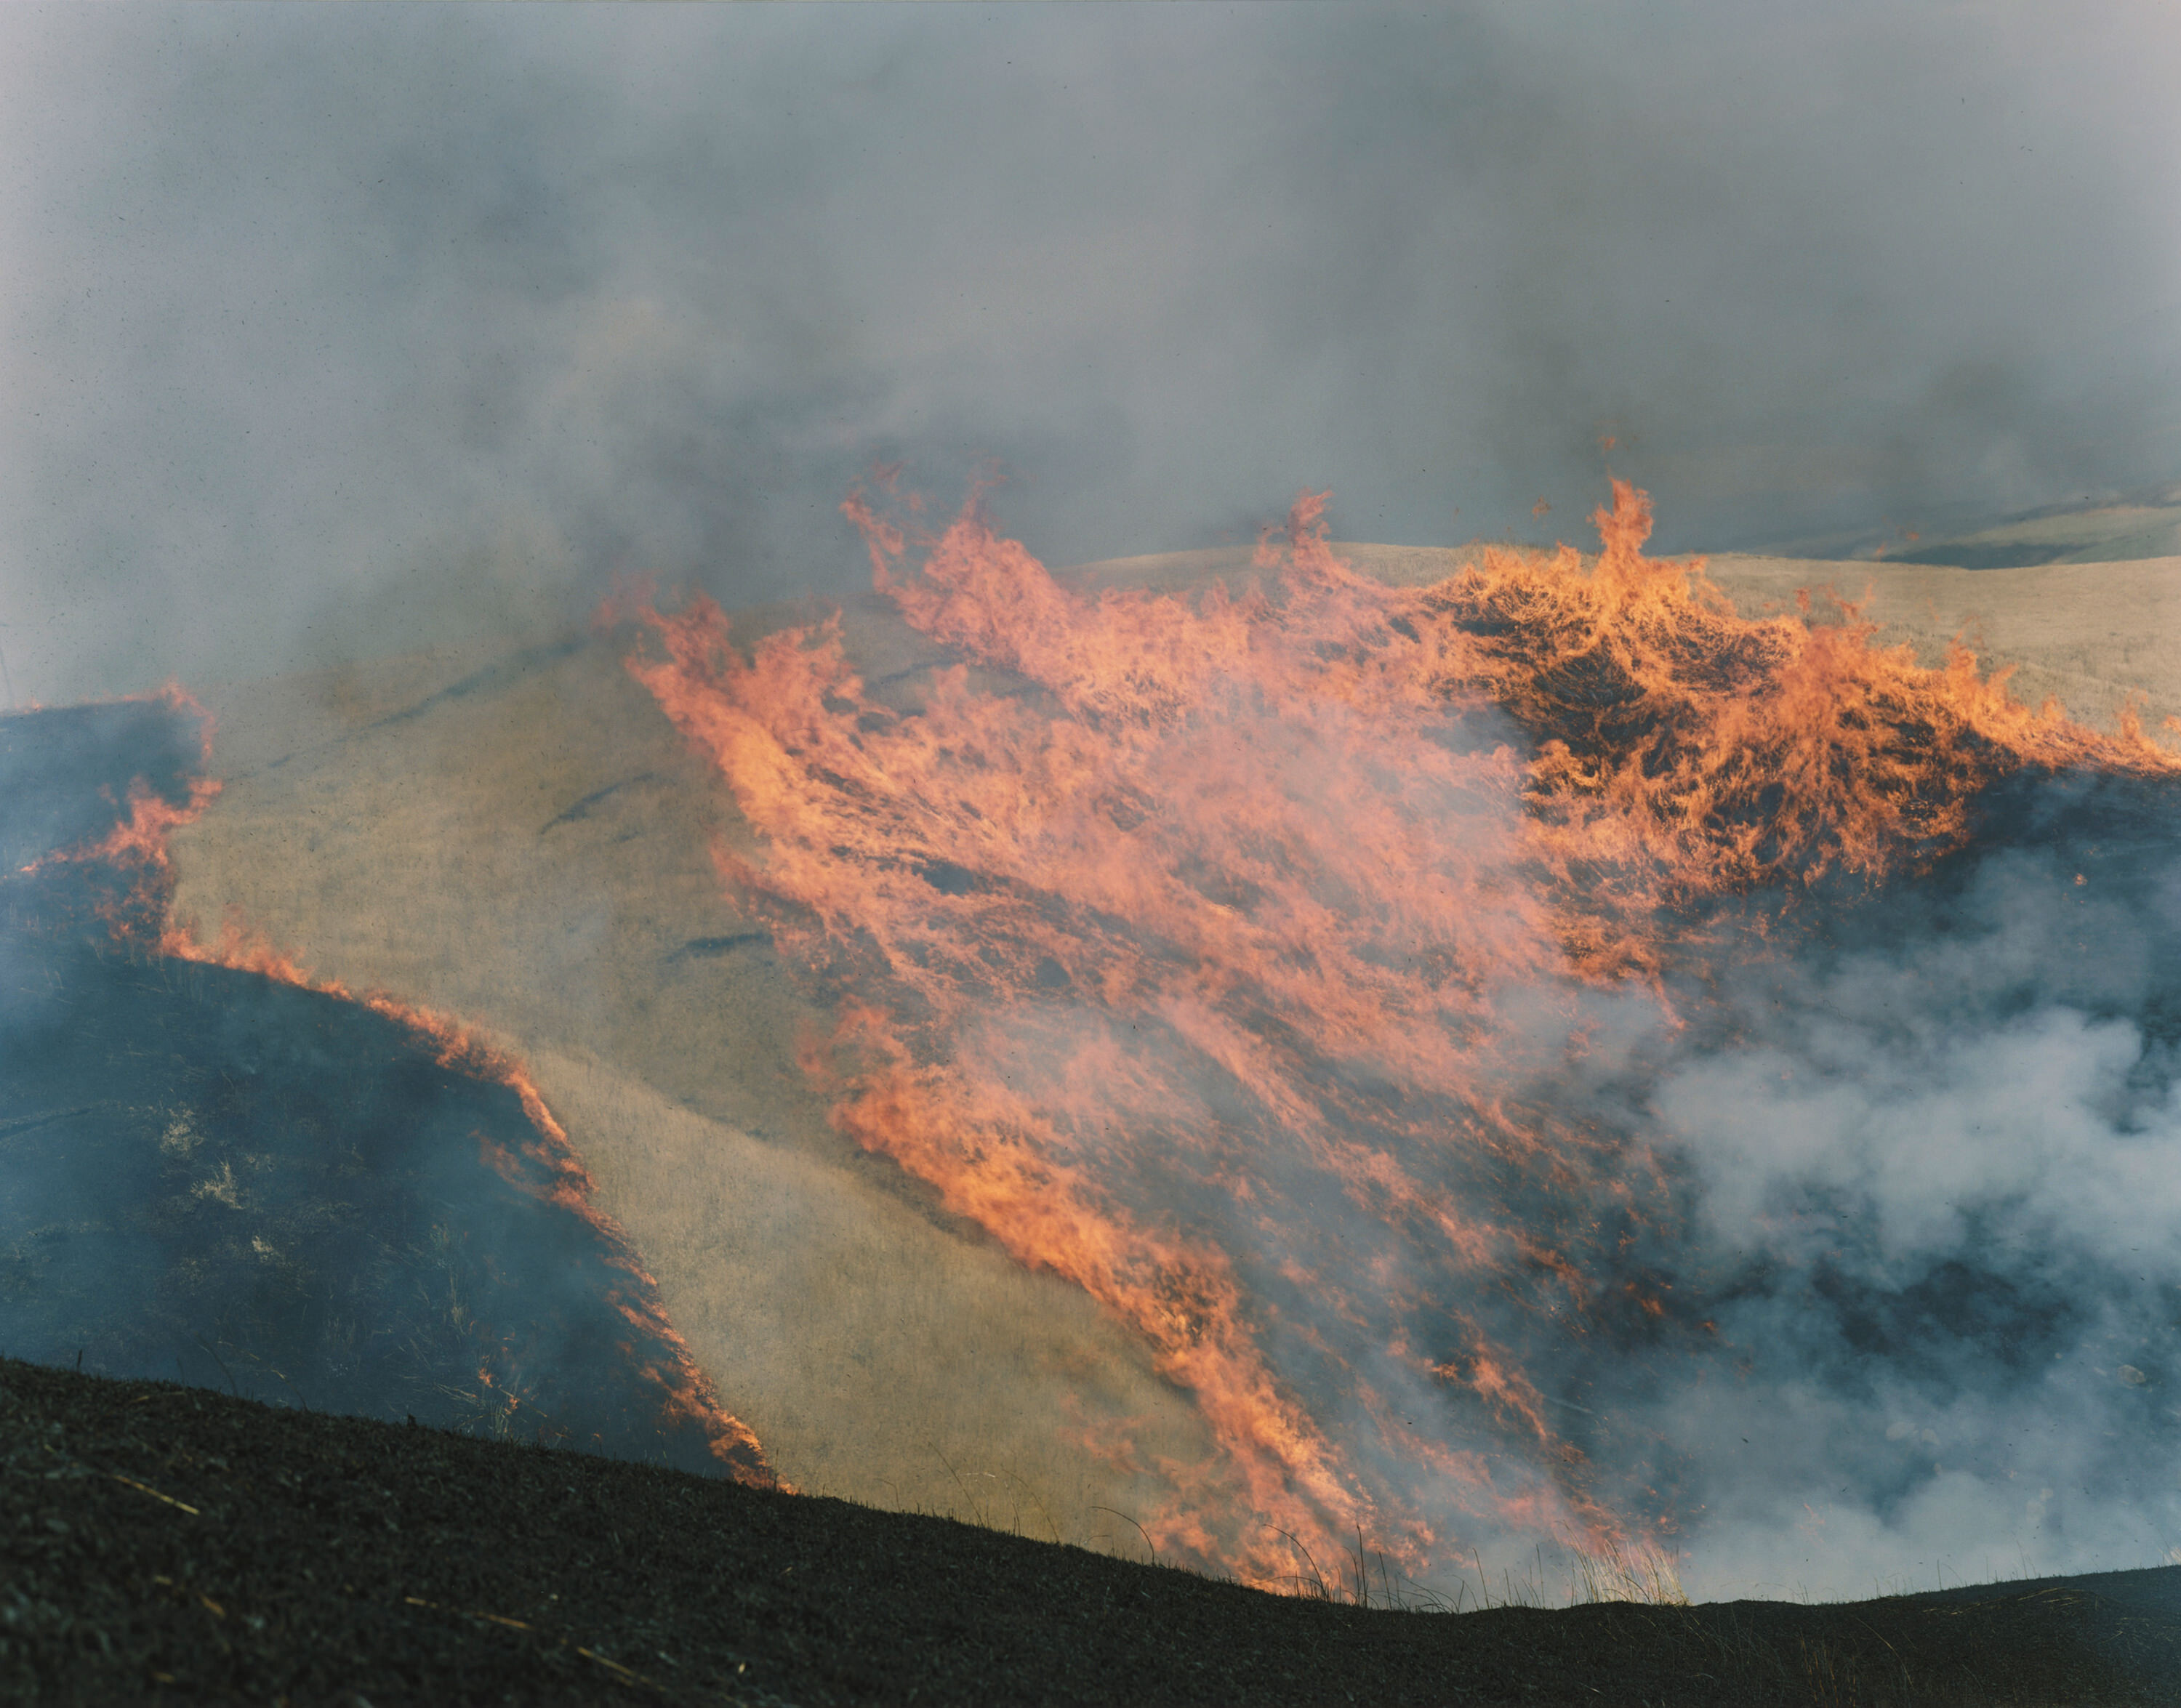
(1231,958)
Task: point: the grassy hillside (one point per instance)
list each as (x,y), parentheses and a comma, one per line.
(521,840)
(2148,525)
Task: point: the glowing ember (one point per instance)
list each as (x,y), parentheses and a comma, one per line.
(1234,961)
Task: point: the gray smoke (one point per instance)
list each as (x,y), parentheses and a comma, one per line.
(1937,1163)
(334,331)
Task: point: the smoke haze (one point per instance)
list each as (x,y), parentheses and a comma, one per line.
(330,331)
(1936,1155)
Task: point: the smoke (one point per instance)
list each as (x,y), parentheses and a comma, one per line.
(336,331)
(1935,1152)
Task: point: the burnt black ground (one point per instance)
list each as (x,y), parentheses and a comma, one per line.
(218,1175)
(163,1543)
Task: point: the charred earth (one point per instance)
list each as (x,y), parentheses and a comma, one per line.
(221,1176)
(170,1544)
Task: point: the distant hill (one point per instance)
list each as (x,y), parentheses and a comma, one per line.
(2097,533)
(2100,528)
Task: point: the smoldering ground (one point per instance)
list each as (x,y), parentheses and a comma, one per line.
(1925,1141)
(1934,1148)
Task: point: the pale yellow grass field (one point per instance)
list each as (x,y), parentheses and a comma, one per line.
(2091,636)
(876,1357)
(523,842)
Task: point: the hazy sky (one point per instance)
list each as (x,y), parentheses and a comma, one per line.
(326,329)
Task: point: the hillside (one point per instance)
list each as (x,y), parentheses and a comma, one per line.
(523,841)
(171,1543)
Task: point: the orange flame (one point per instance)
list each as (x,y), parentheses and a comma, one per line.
(140,840)
(1217,966)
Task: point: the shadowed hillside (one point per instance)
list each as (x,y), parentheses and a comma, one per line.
(167,1545)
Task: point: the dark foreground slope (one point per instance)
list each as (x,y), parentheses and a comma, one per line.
(168,1543)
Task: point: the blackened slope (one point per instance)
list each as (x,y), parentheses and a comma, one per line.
(69,776)
(331,1558)
(215,1176)
(221,1177)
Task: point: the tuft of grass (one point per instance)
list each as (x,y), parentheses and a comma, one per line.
(1645,1575)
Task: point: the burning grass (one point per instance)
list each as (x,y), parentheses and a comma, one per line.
(1261,962)
(881,1349)
(525,844)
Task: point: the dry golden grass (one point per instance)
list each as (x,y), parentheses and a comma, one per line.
(2091,635)
(876,1359)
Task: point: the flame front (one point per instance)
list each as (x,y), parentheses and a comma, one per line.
(1233,959)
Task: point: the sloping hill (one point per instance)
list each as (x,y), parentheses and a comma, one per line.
(2146,525)
(521,840)
(169,1543)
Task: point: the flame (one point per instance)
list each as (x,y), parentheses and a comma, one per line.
(138,843)
(1220,955)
